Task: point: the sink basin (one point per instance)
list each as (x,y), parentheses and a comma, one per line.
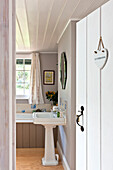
(49,121)
(23,116)
(47,118)
(43,115)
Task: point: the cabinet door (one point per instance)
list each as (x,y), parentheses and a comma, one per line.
(19,136)
(93,93)
(32,134)
(107,88)
(26,137)
(81,94)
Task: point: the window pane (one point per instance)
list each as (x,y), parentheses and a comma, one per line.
(27,61)
(27,76)
(20,89)
(27,64)
(27,88)
(19,76)
(28,67)
(23,69)
(19,64)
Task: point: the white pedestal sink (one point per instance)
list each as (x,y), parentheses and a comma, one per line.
(49,122)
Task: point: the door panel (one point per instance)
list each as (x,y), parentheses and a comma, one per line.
(88,93)
(81,94)
(107,89)
(93,92)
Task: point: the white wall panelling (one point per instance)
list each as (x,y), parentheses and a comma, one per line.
(39,23)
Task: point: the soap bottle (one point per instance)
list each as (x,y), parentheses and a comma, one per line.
(58,114)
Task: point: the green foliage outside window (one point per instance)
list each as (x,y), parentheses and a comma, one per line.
(23,68)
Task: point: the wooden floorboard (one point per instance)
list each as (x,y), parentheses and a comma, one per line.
(30,159)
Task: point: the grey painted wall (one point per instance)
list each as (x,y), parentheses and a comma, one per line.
(49,62)
(66,134)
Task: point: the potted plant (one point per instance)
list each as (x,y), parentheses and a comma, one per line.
(52,96)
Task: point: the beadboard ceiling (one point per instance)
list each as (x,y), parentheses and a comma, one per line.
(39,23)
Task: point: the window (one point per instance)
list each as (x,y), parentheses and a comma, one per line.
(23,68)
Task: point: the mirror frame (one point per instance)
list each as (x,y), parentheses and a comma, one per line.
(63,82)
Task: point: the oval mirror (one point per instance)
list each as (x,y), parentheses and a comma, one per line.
(63,70)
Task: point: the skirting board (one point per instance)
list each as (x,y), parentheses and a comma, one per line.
(64,161)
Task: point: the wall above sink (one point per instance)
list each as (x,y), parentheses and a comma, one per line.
(28,109)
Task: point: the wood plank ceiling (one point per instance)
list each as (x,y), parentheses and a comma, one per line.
(39,23)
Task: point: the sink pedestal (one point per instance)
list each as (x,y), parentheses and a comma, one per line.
(50,158)
(48,120)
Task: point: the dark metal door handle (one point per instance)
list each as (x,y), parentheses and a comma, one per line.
(78,117)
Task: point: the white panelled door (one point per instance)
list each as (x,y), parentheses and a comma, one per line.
(94,91)
(81,95)
(88,94)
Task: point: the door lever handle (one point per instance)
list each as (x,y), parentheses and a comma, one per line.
(78,118)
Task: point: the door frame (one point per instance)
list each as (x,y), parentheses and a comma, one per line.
(7,85)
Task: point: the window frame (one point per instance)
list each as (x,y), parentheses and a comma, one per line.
(19,97)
